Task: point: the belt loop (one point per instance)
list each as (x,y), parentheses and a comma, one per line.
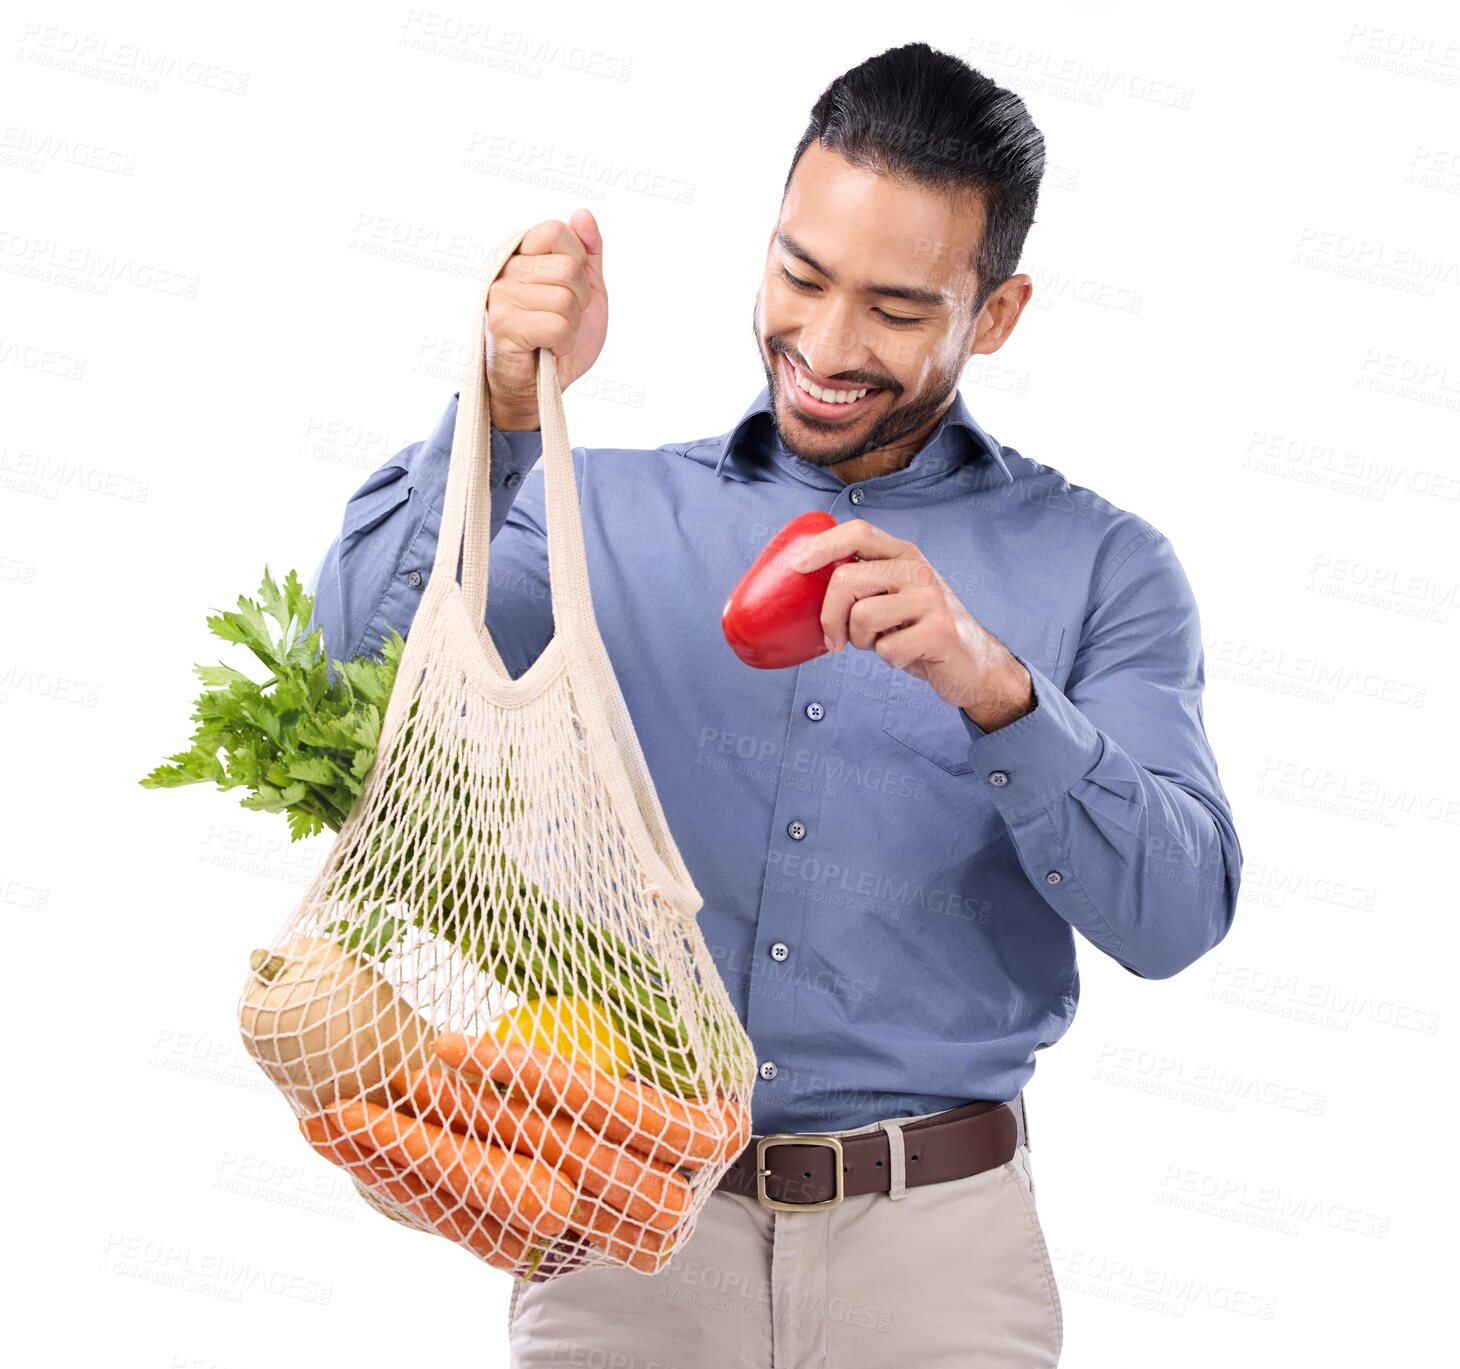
(897,1178)
(1023,1123)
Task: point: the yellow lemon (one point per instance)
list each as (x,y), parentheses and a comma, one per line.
(567,1025)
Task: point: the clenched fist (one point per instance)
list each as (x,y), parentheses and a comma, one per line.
(549,294)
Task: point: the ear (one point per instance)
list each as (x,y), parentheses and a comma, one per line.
(1000,313)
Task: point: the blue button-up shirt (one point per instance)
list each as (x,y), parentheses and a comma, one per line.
(890,893)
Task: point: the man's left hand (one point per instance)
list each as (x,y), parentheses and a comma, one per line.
(890,600)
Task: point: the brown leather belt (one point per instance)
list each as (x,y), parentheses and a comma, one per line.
(805,1171)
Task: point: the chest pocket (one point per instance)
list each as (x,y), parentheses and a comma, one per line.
(378,554)
(915,715)
(384,492)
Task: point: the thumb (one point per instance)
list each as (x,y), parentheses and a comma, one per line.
(586,227)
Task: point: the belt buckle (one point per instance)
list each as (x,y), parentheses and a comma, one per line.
(799,1138)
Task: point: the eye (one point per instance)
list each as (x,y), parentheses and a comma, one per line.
(897,320)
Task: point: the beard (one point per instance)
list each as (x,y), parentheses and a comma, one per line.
(899,421)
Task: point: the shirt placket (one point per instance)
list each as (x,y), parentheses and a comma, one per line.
(802,852)
(797,854)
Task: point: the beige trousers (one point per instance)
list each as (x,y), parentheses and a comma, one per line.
(953,1275)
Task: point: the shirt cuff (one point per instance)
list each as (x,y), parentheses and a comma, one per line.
(1027,762)
(513,455)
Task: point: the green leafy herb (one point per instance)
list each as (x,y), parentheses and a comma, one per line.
(374,939)
(299,742)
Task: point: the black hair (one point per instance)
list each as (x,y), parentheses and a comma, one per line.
(927,118)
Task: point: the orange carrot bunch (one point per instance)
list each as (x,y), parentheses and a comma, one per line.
(507,1147)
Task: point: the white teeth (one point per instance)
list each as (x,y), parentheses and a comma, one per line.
(828,396)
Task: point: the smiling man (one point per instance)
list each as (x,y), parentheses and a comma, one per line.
(901,841)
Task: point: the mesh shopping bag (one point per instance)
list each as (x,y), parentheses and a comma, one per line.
(507,877)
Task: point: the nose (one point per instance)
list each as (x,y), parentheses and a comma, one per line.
(829,343)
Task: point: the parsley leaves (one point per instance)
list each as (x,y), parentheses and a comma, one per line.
(300,743)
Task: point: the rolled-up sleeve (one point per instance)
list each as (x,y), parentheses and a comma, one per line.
(370,578)
(1109,788)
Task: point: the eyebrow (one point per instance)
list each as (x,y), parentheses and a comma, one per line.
(913,294)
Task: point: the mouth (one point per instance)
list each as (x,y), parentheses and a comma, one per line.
(819,401)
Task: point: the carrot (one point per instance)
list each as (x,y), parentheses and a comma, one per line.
(326,1138)
(644,1190)
(624,1240)
(450,1100)
(496,1244)
(679,1131)
(736,1125)
(522,1192)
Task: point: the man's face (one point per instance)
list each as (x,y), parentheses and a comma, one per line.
(884,303)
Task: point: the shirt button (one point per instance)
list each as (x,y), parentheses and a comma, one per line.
(815,711)
(414,579)
(767,1069)
(856,496)
(998,777)
(779,951)
(1053,877)
(796,830)
(512,479)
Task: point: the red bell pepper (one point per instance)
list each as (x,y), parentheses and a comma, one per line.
(772,618)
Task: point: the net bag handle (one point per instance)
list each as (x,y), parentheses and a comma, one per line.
(468,504)
(467,509)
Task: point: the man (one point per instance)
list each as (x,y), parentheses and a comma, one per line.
(898,840)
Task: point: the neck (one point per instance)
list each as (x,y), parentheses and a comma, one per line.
(893,457)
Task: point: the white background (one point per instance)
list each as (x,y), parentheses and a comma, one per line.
(232,290)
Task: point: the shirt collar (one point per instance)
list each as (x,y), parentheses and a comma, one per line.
(956,439)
